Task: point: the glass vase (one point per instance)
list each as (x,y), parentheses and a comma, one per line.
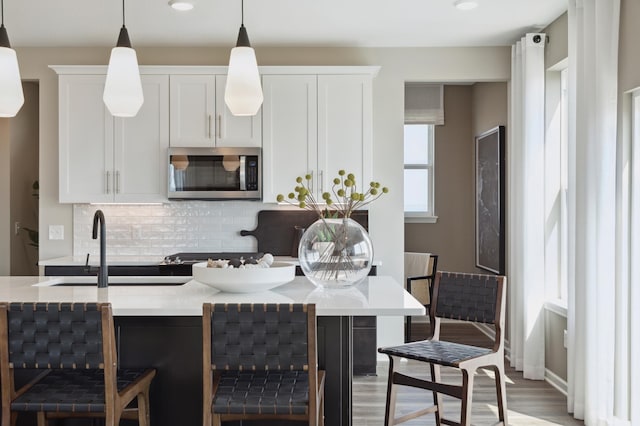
(335,253)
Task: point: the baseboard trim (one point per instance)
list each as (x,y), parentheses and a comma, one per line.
(556,381)
(549,376)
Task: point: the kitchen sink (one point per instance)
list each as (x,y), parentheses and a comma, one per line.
(118,281)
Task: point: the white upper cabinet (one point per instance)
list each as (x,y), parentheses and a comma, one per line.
(192,110)
(105,159)
(314,120)
(317,125)
(86,140)
(141,146)
(345,123)
(289,136)
(232,130)
(200,118)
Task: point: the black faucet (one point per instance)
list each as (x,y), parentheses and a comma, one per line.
(103,271)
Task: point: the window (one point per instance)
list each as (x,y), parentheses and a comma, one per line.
(556,189)
(563,281)
(418,172)
(423,109)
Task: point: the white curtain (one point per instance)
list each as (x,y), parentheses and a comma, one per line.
(630,377)
(593,63)
(525,199)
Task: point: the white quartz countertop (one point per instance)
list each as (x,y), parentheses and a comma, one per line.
(376,296)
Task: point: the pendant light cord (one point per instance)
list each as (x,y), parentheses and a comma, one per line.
(241,12)
(2,11)
(123,13)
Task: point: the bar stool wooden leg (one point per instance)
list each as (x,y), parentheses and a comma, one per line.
(437,398)
(215,420)
(390,407)
(501,393)
(42,419)
(467,396)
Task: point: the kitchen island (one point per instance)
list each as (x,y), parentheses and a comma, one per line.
(158,324)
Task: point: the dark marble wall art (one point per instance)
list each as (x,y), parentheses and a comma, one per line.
(490,200)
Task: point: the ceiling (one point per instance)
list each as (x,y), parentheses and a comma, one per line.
(275,23)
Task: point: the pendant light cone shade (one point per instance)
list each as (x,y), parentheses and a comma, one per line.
(11,96)
(123,87)
(243,92)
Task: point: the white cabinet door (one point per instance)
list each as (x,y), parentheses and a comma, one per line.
(289,132)
(192,110)
(103,159)
(345,128)
(141,142)
(85,140)
(317,125)
(200,118)
(232,130)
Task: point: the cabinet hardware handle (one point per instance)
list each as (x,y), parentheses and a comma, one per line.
(321,179)
(107,181)
(210,120)
(220,126)
(117,182)
(311,183)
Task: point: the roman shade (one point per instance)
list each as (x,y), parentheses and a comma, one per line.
(423,103)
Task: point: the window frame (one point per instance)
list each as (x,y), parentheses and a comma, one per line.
(429,215)
(557,291)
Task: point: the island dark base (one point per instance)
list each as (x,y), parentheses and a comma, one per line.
(173,345)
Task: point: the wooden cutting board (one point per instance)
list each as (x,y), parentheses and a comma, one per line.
(276,229)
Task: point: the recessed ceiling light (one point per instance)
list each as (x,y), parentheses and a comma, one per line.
(465,4)
(181,5)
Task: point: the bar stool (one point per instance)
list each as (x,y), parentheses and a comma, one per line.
(72,348)
(260,362)
(466,297)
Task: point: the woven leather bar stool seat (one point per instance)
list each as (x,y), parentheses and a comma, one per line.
(260,362)
(262,392)
(72,346)
(465,297)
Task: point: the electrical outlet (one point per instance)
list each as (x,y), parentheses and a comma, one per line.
(565,338)
(17,228)
(56,232)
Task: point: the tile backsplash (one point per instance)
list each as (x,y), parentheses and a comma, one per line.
(142,230)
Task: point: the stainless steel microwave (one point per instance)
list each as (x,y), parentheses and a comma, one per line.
(215,173)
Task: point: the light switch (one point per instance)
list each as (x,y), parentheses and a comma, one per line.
(56,232)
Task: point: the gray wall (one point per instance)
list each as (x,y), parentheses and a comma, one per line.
(557,47)
(469,111)
(450,237)
(24,171)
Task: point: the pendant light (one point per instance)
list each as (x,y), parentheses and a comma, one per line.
(11,96)
(243,92)
(123,88)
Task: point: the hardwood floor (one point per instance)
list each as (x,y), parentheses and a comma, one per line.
(529,402)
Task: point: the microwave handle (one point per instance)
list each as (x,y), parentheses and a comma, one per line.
(243,175)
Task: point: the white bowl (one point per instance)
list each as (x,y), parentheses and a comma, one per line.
(244,280)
